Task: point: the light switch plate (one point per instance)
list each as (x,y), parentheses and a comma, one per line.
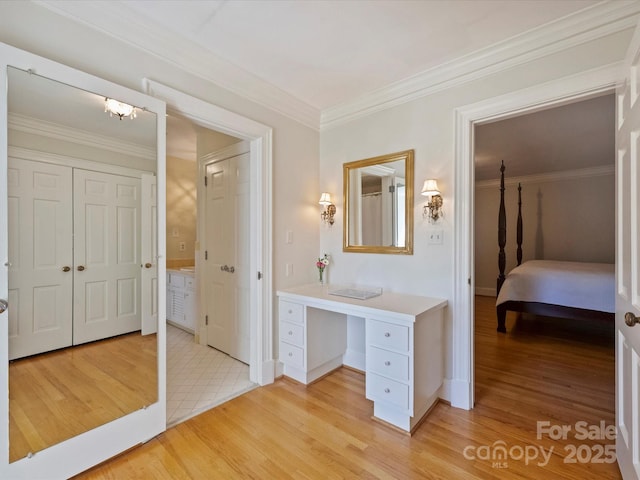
(435,237)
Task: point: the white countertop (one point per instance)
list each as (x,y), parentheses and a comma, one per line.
(190,271)
(409,306)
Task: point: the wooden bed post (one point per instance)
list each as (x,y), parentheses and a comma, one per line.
(502,240)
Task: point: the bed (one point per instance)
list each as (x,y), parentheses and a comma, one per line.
(573,290)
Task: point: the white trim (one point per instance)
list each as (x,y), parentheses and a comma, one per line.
(584,26)
(54,158)
(485,291)
(261,369)
(600,171)
(22,123)
(119,21)
(562,91)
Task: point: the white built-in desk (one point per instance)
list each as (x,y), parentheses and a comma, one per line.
(404,346)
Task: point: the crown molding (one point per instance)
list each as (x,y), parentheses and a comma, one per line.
(22,123)
(116,20)
(600,20)
(602,171)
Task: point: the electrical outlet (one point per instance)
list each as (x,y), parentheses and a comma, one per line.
(435,237)
(182,246)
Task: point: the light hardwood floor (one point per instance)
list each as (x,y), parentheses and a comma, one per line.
(540,371)
(57,395)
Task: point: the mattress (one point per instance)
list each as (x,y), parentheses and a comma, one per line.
(590,286)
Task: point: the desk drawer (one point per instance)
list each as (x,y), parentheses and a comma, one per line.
(389,364)
(292,333)
(291,312)
(388,335)
(291,355)
(387,391)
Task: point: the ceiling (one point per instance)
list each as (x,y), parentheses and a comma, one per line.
(326,52)
(572,137)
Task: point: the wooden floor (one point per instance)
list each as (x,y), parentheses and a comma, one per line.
(536,372)
(57,395)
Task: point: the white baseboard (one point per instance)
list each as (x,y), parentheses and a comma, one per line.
(267,375)
(460,393)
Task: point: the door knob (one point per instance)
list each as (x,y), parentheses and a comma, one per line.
(231,269)
(80,268)
(66,269)
(148,265)
(3,305)
(630,319)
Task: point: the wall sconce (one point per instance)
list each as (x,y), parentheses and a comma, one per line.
(329,208)
(433,208)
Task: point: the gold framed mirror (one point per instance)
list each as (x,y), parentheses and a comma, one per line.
(378,204)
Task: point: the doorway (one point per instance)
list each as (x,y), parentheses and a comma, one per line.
(200,377)
(559,92)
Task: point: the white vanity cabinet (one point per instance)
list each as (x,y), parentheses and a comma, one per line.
(181,299)
(404,363)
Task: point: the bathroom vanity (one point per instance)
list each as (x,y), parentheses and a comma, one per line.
(181,298)
(404,364)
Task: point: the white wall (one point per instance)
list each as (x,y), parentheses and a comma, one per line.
(295,147)
(570,218)
(427,125)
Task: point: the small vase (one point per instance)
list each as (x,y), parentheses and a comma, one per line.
(320,274)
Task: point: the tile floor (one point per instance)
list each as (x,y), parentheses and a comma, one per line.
(199,377)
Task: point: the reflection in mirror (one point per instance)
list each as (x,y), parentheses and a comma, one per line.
(82,262)
(378,204)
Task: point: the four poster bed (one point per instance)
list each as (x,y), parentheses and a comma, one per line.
(571,290)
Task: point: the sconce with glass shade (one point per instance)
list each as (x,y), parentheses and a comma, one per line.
(433,207)
(329,208)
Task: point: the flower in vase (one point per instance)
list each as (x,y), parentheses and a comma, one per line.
(321,264)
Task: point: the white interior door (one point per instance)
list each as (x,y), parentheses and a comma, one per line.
(227,263)
(628,266)
(149,246)
(40,257)
(106,255)
(219,240)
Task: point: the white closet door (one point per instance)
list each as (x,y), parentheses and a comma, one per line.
(40,249)
(106,255)
(149,243)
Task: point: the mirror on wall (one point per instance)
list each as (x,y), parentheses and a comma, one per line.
(82,262)
(378,204)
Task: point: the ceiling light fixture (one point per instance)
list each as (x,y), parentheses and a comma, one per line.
(114,107)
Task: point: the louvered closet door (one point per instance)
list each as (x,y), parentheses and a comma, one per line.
(106,255)
(40,247)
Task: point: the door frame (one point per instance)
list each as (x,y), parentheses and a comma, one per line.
(555,93)
(259,136)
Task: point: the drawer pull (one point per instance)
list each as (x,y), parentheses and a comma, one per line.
(387,363)
(387,390)
(290,354)
(290,311)
(290,332)
(387,334)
